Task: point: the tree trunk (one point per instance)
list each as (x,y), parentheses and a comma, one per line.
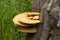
(48,17)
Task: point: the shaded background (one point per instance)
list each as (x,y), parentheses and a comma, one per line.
(8,9)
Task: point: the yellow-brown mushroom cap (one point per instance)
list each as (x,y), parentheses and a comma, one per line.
(25,19)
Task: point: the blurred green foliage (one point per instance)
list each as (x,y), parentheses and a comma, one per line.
(8,9)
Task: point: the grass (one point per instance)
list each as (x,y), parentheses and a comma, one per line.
(8,9)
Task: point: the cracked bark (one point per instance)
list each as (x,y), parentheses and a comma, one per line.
(48,17)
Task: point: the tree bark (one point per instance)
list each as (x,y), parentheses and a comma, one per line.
(48,17)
